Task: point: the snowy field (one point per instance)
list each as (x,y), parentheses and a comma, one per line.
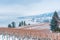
(7,37)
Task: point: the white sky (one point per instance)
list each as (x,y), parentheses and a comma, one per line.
(27,7)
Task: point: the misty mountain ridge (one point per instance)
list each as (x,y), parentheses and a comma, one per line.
(46,17)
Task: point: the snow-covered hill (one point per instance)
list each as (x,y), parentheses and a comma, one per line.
(46,17)
(38,18)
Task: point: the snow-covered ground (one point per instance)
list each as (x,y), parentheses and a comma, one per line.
(8,37)
(36,26)
(5,37)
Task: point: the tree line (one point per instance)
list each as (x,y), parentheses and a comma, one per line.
(13,24)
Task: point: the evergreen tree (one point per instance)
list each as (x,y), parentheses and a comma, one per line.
(29,24)
(9,25)
(24,23)
(13,24)
(54,23)
(20,24)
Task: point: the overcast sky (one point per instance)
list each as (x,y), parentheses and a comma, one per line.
(27,7)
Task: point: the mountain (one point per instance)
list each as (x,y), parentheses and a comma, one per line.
(41,18)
